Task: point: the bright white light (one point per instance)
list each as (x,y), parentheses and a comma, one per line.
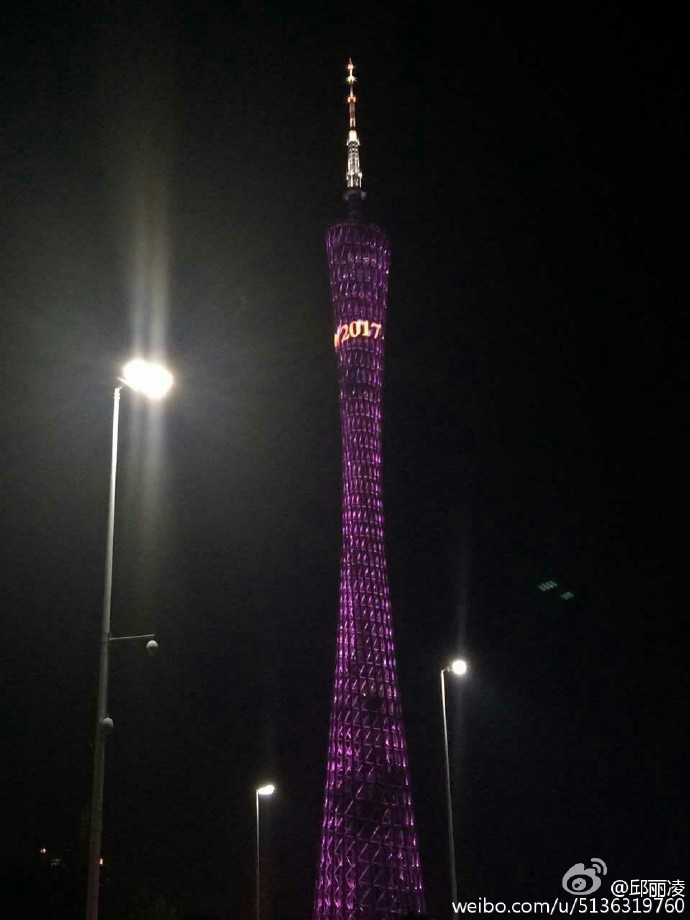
(459,666)
(266,790)
(153,380)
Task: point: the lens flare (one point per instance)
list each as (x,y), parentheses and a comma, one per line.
(147,377)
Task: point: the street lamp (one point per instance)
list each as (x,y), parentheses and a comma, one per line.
(153,381)
(459,668)
(262,792)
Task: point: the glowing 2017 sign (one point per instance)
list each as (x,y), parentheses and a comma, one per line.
(355,329)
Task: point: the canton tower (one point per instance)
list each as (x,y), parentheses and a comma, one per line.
(369,859)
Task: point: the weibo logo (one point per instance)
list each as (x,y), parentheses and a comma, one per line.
(580,880)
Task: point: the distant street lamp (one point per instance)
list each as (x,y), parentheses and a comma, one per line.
(459,668)
(262,792)
(153,381)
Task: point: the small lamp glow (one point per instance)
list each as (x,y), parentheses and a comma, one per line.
(268,789)
(459,666)
(147,377)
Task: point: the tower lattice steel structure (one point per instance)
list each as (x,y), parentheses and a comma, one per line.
(369,859)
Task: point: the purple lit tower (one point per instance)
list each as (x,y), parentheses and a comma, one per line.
(369,859)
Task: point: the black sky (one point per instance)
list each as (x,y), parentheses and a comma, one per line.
(167,177)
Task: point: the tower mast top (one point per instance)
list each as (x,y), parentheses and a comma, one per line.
(351,99)
(353,177)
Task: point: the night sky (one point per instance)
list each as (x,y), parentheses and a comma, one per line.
(167,176)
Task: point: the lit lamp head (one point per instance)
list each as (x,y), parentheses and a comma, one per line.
(266,790)
(458,667)
(147,377)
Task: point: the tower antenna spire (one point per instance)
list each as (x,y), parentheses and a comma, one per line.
(353,177)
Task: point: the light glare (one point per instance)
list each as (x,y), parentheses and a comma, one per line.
(147,377)
(459,666)
(268,789)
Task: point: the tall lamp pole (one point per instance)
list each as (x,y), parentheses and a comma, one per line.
(261,792)
(153,381)
(459,668)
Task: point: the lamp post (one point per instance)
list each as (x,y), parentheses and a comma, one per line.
(261,793)
(459,668)
(154,381)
